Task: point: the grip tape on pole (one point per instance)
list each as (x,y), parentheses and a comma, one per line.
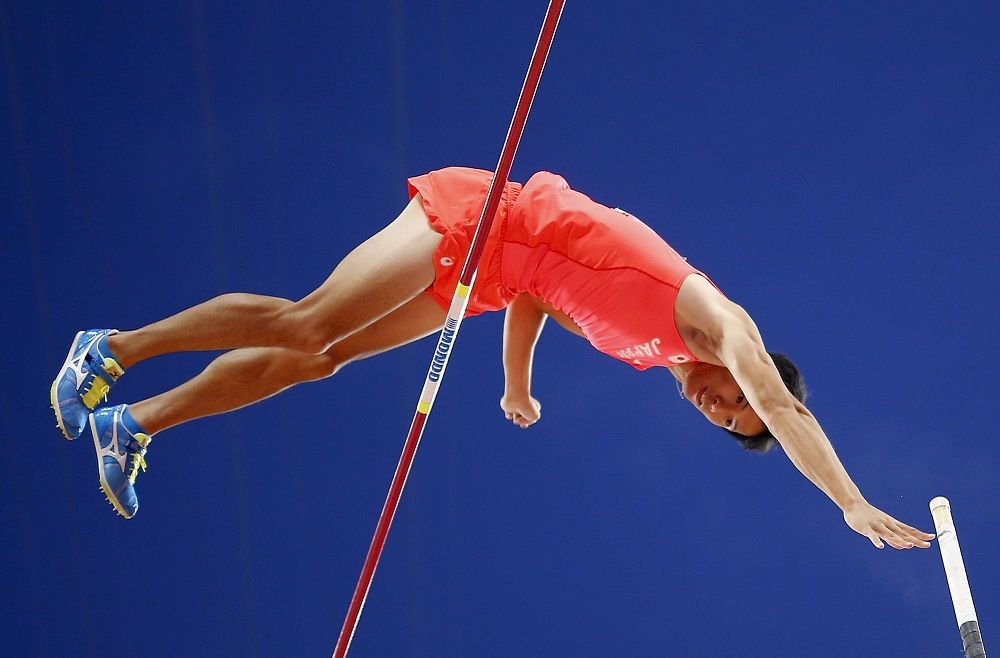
(958,581)
(972,640)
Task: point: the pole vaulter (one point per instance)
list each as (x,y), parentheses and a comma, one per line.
(450,331)
(600,272)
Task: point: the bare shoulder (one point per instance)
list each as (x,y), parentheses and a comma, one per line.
(703,315)
(701,305)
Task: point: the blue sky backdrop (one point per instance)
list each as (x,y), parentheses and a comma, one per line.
(834,167)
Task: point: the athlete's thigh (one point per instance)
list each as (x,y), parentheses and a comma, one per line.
(413,320)
(387,270)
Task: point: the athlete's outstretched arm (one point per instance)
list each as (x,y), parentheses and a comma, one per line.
(739,346)
(521,328)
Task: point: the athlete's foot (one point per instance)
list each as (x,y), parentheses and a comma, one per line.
(86,377)
(121,451)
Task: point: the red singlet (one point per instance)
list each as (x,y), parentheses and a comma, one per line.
(605,269)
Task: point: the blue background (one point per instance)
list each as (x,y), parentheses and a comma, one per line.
(833,167)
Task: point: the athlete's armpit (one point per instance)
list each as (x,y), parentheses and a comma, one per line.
(561,318)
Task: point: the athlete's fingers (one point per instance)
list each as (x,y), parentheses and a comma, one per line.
(892,538)
(899,528)
(911,535)
(523,421)
(921,536)
(874,539)
(908,529)
(897,544)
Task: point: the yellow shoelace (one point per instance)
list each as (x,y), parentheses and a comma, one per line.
(98,391)
(138,459)
(99,388)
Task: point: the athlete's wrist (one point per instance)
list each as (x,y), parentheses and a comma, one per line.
(517,389)
(850,503)
(517,380)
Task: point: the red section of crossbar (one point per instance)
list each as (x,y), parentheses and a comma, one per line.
(471,264)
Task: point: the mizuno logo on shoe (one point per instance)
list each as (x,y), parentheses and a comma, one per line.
(76,363)
(111,450)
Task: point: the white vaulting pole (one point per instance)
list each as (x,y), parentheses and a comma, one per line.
(958,582)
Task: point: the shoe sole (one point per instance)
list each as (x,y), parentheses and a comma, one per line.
(105,487)
(53,393)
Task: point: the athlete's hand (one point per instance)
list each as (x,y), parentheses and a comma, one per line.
(521,409)
(878,526)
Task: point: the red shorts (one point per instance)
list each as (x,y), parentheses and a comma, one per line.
(453,199)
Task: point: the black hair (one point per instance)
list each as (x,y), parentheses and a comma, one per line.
(796,385)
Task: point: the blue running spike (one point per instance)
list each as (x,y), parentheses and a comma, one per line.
(121,452)
(89,372)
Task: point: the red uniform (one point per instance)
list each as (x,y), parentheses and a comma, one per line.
(605,269)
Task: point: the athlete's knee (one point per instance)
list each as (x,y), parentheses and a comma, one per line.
(340,354)
(301,328)
(324,365)
(309,367)
(281,367)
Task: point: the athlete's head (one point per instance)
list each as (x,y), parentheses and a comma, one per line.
(714,392)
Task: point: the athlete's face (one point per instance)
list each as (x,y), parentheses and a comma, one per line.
(714,392)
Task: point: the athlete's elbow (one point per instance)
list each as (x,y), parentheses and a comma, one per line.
(778,412)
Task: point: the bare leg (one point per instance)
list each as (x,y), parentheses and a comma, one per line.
(377,277)
(244,376)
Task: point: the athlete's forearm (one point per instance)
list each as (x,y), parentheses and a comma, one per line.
(807,446)
(521,328)
(742,350)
